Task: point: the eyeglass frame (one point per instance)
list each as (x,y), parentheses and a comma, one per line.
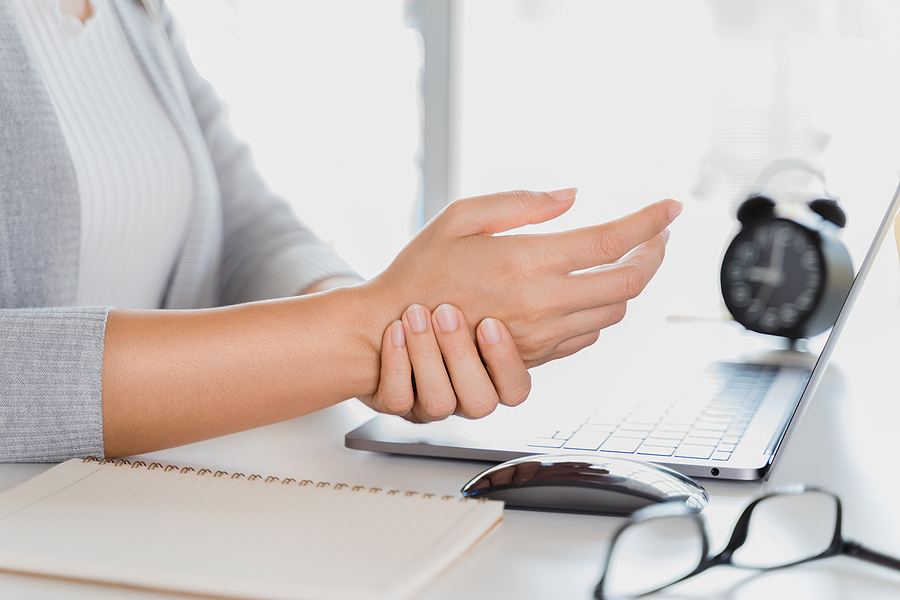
(838,546)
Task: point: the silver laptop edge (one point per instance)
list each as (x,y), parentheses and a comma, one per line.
(840,322)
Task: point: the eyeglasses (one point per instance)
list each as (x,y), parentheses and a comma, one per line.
(667,543)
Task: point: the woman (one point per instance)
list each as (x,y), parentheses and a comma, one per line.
(80,378)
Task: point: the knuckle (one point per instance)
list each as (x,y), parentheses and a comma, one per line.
(439,407)
(453,209)
(531,308)
(610,242)
(519,265)
(456,212)
(522,197)
(532,344)
(457,346)
(631,281)
(480,406)
(396,404)
(590,338)
(536,346)
(518,393)
(424,353)
(655,252)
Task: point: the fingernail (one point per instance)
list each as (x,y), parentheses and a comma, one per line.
(417,318)
(397,335)
(666,233)
(490,331)
(563,195)
(446,318)
(675,210)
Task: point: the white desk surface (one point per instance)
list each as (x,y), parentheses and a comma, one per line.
(846,443)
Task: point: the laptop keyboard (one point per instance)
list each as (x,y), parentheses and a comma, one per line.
(705,421)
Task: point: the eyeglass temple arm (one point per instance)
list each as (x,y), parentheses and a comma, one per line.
(851,548)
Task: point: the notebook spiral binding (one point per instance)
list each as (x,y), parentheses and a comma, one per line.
(139,464)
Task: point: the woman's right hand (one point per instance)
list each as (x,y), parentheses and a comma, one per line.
(431,368)
(554,292)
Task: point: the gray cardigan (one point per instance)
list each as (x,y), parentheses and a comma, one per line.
(242,244)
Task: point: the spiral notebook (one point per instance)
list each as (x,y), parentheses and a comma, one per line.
(233,536)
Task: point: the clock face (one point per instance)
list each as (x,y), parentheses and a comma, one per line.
(773,276)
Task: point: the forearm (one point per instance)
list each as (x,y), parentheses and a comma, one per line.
(175,377)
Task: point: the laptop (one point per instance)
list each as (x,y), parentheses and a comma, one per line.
(727,419)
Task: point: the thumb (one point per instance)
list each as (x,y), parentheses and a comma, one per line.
(508,210)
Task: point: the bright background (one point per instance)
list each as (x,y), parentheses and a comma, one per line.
(628,101)
(326,94)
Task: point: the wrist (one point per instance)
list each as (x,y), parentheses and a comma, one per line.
(361,314)
(330,283)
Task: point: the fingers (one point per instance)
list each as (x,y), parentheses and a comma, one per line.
(578,331)
(504,364)
(449,373)
(435,396)
(568,348)
(395,393)
(475,391)
(506,210)
(618,282)
(602,244)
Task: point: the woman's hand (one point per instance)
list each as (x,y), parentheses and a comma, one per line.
(174,377)
(554,292)
(431,368)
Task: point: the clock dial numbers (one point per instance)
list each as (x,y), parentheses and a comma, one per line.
(770,320)
(789,314)
(748,252)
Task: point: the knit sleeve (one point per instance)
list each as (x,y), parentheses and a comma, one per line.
(50,383)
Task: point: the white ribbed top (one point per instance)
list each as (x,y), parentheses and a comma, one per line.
(134,176)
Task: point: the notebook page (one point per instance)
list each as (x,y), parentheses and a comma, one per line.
(233,537)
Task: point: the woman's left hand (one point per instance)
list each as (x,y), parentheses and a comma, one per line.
(431,367)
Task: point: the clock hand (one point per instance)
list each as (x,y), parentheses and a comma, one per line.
(776,264)
(773,274)
(762,298)
(760,274)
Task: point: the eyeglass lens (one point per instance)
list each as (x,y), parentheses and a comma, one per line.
(789,528)
(652,554)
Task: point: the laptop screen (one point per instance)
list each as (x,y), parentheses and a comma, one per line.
(831,337)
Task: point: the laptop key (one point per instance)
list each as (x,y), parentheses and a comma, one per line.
(633,428)
(586,440)
(621,444)
(702,425)
(673,427)
(654,450)
(694,451)
(546,443)
(702,438)
(632,433)
(665,438)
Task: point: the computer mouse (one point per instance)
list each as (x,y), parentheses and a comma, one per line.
(584,484)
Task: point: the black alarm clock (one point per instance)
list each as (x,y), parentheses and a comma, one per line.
(787,276)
